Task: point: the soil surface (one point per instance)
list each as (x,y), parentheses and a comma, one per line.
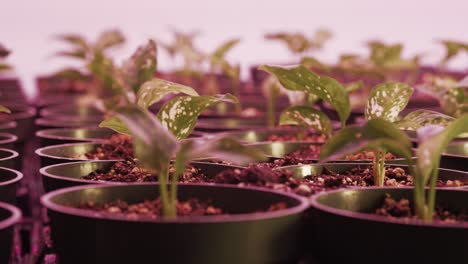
(403,208)
(283,180)
(118,147)
(128,171)
(152,208)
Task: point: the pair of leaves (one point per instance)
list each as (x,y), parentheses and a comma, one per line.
(374,135)
(301,79)
(141,66)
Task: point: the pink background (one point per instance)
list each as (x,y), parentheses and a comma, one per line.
(26,26)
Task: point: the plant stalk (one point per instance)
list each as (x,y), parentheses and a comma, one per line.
(168,206)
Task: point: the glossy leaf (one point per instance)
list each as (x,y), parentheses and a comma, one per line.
(375,134)
(141,66)
(301,79)
(421,118)
(387,100)
(155,90)
(429,151)
(154,145)
(307,117)
(116,124)
(108,39)
(180,114)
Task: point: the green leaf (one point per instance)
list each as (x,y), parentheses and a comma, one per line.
(141,66)
(421,118)
(354,86)
(307,117)
(301,79)
(75,40)
(225,149)
(220,52)
(70,73)
(155,90)
(3,109)
(452,49)
(387,100)
(79,54)
(4,67)
(116,124)
(375,134)
(313,63)
(108,39)
(104,70)
(180,114)
(429,151)
(296,42)
(154,145)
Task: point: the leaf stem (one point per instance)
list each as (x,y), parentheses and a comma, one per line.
(168,207)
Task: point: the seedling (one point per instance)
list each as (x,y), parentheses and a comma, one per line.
(298,44)
(155,146)
(301,79)
(4,52)
(452,49)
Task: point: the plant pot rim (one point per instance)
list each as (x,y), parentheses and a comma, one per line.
(45,171)
(25,111)
(456,143)
(8,125)
(13,154)
(17,178)
(382,219)
(65,124)
(49,133)
(46,201)
(9,138)
(13,218)
(40,151)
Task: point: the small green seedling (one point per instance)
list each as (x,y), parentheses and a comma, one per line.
(377,135)
(298,44)
(452,49)
(301,79)
(155,146)
(433,141)
(4,52)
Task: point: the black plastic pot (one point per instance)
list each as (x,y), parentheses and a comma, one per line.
(55,100)
(9,216)
(7,140)
(69,174)
(244,236)
(24,116)
(277,150)
(62,153)
(44,123)
(8,126)
(455,156)
(66,112)
(10,159)
(57,136)
(261,135)
(341,230)
(314,169)
(9,181)
(229,124)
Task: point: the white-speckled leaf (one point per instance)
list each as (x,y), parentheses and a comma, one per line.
(387,100)
(180,114)
(306,116)
(421,118)
(154,145)
(301,79)
(141,66)
(153,91)
(429,151)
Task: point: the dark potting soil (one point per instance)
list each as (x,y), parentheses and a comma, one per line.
(153,208)
(118,147)
(128,171)
(403,209)
(283,180)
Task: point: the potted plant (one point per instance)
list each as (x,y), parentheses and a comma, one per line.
(360,213)
(9,217)
(154,146)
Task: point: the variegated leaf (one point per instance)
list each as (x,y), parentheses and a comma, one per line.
(155,90)
(387,101)
(307,117)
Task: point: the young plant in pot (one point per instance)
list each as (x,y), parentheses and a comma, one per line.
(176,222)
(405,218)
(93,57)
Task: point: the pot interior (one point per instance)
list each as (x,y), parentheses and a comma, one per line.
(71,151)
(78,133)
(459,149)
